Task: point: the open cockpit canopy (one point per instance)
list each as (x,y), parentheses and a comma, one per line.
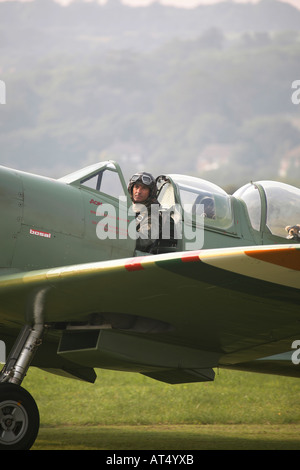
(104,177)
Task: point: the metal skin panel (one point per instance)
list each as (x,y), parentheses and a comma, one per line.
(51,223)
(11,210)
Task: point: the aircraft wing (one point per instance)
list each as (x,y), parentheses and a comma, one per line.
(188,311)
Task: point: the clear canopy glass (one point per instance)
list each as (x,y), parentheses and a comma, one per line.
(196,194)
(281,204)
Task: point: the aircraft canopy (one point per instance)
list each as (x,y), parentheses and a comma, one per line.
(271,205)
(194,195)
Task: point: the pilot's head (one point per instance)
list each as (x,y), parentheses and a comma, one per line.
(209,207)
(142,188)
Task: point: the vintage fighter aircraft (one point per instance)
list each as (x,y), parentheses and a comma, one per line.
(72,301)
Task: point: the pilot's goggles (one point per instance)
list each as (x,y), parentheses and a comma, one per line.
(145,179)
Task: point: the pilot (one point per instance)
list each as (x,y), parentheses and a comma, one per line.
(204,206)
(143,190)
(209,207)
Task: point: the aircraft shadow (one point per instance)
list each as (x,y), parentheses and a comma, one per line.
(181,437)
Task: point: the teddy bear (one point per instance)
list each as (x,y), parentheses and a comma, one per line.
(293,231)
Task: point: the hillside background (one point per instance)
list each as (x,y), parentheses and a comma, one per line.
(205,92)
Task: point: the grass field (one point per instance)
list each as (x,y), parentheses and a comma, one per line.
(129,411)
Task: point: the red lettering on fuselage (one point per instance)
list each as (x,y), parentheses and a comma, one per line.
(97,203)
(39,233)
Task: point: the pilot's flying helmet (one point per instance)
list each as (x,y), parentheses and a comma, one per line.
(145,178)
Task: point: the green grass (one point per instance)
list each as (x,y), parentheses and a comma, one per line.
(130,411)
(133,399)
(163,437)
